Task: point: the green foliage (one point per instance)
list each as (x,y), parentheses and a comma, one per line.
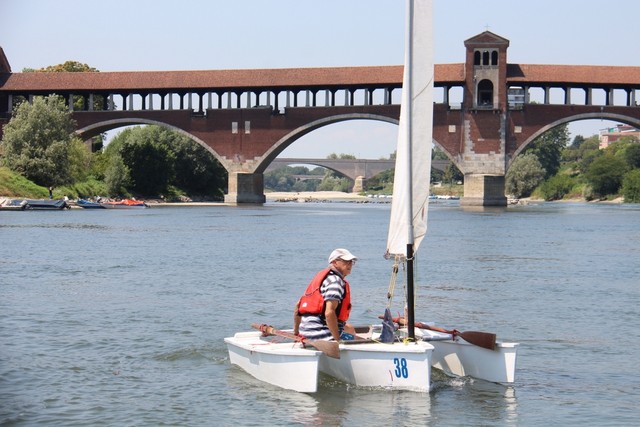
(605,173)
(196,171)
(284,179)
(83,189)
(74,67)
(38,142)
(451,174)
(157,161)
(79,160)
(524,175)
(577,141)
(332,183)
(548,148)
(68,66)
(334,156)
(117,178)
(12,184)
(381,183)
(558,186)
(149,162)
(631,186)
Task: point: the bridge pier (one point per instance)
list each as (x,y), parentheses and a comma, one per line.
(360,184)
(245,188)
(483,190)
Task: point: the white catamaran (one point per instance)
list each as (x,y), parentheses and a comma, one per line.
(405,362)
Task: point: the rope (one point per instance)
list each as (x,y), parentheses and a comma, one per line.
(392,282)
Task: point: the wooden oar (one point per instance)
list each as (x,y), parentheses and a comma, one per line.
(481,339)
(329,348)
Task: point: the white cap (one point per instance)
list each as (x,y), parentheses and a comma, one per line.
(341,254)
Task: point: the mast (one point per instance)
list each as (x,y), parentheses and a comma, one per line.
(409,171)
(409,207)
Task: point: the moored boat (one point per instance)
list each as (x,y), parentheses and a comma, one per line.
(12,204)
(88,204)
(125,204)
(45,204)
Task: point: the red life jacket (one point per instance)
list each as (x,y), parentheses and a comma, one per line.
(312,301)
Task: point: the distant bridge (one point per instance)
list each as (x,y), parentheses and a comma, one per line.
(351,168)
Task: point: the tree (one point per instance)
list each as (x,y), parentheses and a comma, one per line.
(150,164)
(556,187)
(78,101)
(548,148)
(116,177)
(160,160)
(577,141)
(631,186)
(38,142)
(605,174)
(632,156)
(69,67)
(197,171)
(524,175)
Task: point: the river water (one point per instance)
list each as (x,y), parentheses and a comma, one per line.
(117,317)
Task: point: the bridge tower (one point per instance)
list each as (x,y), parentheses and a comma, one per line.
(482,156)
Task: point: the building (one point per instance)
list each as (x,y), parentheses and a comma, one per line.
(611,135)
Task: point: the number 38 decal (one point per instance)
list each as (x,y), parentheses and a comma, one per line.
(401,367)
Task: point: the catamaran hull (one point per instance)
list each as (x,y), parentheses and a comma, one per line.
(287,365)
(395,366)
(461,358)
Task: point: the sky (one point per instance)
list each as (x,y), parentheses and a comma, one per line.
(150,35)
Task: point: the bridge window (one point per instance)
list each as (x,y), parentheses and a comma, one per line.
(485,94)
(485,58)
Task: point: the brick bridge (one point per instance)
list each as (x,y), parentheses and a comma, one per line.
(485,111)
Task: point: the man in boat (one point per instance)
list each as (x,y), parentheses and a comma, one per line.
(322,312)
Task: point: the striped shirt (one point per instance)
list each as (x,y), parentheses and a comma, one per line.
(315,327)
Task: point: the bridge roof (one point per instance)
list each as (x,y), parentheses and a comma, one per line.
(588,75)
(220,79)
(375,76)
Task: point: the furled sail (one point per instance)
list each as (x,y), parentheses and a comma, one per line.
(408,223)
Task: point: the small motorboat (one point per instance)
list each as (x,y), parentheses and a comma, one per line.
(88,204)
(12,204)
(45,204)
(125,204)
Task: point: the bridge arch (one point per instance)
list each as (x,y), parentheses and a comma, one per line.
(299,132)
(99,127)
(577,117)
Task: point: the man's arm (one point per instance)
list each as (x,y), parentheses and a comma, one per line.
(296,319)
(332,318)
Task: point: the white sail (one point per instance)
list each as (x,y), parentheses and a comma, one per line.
(408,223)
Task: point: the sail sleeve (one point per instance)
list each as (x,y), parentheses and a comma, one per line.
(408,223)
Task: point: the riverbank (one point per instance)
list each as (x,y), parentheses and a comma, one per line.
(315,196)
